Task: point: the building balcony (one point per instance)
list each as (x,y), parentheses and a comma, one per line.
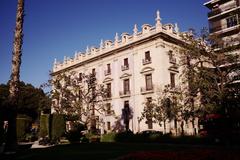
(107,72)
(146,90)
(172,60)
(125,67)
(123,94)
(147,61)
(175,88)
(223,10)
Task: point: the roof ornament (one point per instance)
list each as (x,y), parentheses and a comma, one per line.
(176,28)
(158,21)
(116,40)
(55,61)
(76,55)
(135,30)
(116,37)
(87,50)
(65,59)
(101,44)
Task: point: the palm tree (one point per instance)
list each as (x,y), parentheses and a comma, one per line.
(11,142)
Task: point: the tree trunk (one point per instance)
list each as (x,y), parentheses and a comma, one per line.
(11,143)
(93,121)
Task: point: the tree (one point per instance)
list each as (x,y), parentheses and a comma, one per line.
(31,100)
(167,107)
(210,69)
(79,97)
(11,142)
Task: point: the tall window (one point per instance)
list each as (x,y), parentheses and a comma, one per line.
(172,80)
(108,108)
(126,86)
(232,21)
(108,68)
(125,62)
(94,71)
(108,125)
(109,90)
(147,56)
(80,77)
(149,85)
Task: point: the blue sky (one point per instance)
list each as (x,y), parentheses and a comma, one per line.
(54,28)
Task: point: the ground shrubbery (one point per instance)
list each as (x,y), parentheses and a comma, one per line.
(152,137)
(74,135)
(58,126)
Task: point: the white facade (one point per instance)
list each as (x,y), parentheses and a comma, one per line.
(148,52)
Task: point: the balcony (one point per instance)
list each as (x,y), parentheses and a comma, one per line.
(223,9)
(125,67)
(147,61)
(123,94)
(175,89)
(172,60)
(147,90)
(107,72)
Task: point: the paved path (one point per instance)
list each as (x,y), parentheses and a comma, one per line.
(37,145)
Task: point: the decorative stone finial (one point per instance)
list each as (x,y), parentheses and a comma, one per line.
(176,28)
(116,40)
(55,61)
(158,21)
(65,59)
(76,55)
(135,30)
(101,44)
(87,50)
(116,37)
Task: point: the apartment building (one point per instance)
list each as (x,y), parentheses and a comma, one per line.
(224,18)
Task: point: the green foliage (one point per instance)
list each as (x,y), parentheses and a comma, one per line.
(44,125)
(58,126)
(110,137)
(74,135)
(30,102)
(23,127)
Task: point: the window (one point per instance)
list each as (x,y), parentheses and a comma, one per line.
(109,90)
(94,71)
(108,68)
(108,108)
(149,85)
(126,86)
(108,125)
(172,80)
(80,77)
(125,62)
(232,21)
(147,56)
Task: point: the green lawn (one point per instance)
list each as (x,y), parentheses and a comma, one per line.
(105,151)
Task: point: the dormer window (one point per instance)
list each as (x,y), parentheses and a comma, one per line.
(146,28)
(108,44)
(125,37)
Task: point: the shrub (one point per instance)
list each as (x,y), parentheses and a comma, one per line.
(23,127)
(125,137)
(110,137)
(58,126)
(44,125)
(75,134)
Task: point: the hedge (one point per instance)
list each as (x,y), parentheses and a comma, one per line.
(23,127)
(44,125)
(58,126)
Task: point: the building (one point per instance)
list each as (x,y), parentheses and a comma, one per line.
(135,67)
(224,18)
